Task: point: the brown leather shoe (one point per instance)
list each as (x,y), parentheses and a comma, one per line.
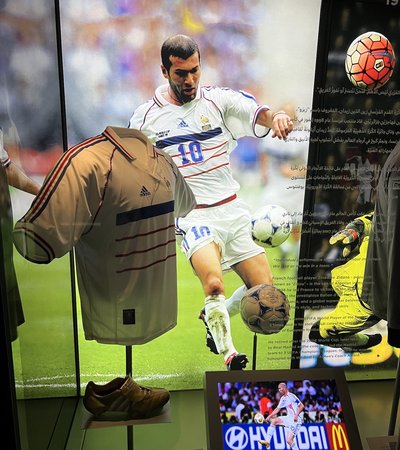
(125,397)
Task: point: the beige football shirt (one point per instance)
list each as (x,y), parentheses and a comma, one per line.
(113,198)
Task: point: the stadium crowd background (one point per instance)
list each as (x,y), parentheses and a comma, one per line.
(111,64)
(239,402)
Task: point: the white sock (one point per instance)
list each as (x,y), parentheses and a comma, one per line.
(233,302)
(218,322)
(270,433)
(294,446)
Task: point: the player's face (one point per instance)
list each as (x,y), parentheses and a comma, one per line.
(282,389)
(184,77)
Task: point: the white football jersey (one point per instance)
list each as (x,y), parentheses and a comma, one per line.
(200,135)
(291,402)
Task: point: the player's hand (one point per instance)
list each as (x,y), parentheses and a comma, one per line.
(282,125)
(350,237)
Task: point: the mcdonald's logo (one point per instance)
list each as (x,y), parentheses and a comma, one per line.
(339,440)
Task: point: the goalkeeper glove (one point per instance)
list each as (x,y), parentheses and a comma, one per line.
(352,235)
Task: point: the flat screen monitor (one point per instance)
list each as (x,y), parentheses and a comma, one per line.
(234,398)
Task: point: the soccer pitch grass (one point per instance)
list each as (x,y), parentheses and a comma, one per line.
(44,361)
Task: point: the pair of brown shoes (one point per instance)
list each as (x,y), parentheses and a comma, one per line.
(123,399)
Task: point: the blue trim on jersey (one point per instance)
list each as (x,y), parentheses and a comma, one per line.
(144,213)
(188,138)
(248,95)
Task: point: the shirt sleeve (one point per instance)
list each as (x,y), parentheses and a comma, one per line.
(138,117)
(60,213)
(240,111)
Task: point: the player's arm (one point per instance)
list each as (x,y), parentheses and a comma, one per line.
(18,179)
(15,176)
(353,233)
(279,122)
(273,413)
(299,410)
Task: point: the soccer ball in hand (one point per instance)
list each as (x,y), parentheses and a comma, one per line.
(264,309)
(258,418)
(370,61)
(271,226)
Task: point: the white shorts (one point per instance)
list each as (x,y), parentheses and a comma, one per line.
(291,425)
(228,225)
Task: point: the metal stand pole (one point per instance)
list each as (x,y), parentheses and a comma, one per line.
(128,359)
(395,403)
(254,351)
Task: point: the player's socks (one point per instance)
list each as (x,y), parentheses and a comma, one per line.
(233,302)
(218,322)
(270,432)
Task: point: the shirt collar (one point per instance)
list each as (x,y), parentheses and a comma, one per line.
(159,99)
(117,135)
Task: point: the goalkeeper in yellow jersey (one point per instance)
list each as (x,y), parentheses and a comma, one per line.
(343,327)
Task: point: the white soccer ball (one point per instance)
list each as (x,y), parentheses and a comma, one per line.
(271,226)
(258,418)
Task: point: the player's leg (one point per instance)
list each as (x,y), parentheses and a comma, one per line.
(254,270)
(343,326)
(293,428)
(233,302)
(271,431)
(291,441)
(206,264)
(241,253)
(328,331)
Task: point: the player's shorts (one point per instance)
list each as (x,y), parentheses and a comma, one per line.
(290,424)
(228,225)
(351,314)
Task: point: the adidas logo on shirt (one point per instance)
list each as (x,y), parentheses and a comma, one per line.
(144,192)
(182,124)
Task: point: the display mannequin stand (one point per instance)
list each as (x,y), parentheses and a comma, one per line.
(254,351)
(129,428)
(395,404)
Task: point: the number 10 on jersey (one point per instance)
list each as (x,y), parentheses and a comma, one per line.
(191,153)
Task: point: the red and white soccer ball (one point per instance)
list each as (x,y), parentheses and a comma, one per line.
(271,226)
(370,61)
(258,418)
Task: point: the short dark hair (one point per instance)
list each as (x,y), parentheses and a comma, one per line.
(179,45)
